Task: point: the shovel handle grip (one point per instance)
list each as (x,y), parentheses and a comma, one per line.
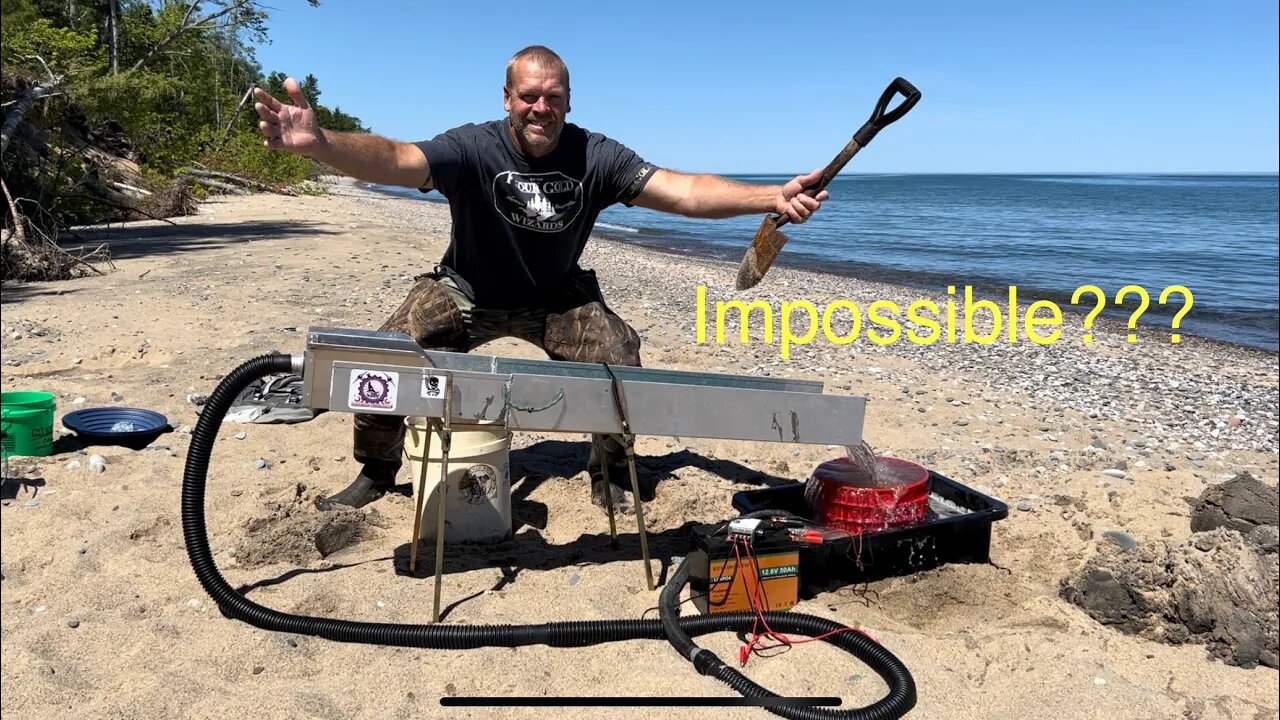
(879,120)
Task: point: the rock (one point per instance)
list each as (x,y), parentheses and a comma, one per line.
(260,464)
(1114,472)
(1266,538)
(73,624)
(1242,504)
(1024,506)
(1123,539)
(73,465)
(31,503)
(241,435)
(97,463)
(116,397)
(257,670)
(79,401)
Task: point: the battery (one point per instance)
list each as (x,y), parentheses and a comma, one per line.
(724,576)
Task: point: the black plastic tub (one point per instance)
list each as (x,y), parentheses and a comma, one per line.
(956,529)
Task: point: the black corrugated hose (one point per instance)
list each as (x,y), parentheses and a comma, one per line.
(671,627)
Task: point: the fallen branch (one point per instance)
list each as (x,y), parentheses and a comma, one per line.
(24,103)
(126,208)
(82,261)
(213,174)
(18,231)
(37,256)
(234,189)
(129,188)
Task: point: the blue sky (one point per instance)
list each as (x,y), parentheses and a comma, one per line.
(745,86)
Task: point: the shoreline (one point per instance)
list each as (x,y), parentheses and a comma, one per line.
(1110,320)
(1151,365)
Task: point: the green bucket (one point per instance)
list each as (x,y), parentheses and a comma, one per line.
(27,417)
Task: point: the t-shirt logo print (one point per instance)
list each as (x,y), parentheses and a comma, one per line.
(545,202)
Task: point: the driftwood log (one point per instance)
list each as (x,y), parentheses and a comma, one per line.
(230,182)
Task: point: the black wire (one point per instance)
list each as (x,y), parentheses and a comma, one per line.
(617,399)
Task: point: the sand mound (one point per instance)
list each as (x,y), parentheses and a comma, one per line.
(1219,588)
(294,532)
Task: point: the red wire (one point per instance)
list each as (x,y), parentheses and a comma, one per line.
(757,606)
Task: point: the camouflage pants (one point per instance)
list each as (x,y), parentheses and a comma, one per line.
(439,314)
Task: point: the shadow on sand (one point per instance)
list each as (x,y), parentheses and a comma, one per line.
(528,549)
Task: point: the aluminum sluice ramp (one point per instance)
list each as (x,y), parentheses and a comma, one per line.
(364,371)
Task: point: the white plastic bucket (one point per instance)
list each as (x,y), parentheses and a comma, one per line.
(478,505)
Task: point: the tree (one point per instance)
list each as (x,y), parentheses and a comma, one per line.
(110,104)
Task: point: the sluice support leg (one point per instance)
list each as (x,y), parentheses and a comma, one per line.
(420,503)
(446,440)
(608,500)
(635,493)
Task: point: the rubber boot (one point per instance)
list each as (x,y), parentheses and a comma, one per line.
(608,449)
(376,479)
(620,497)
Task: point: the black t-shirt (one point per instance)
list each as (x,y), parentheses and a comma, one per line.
(520,223)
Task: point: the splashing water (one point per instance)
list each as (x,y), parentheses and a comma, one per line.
(862,465)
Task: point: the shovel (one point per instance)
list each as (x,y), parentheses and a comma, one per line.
(769,241)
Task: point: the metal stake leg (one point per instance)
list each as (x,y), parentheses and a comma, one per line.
(608,500)
(635,492)
(421,500)
(446,440)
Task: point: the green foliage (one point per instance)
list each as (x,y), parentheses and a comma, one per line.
(65,50)
(243,154)
(176,97)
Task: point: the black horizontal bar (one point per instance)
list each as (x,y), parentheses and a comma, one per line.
(553,701)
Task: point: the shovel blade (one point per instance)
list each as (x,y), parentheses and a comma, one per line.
(764,249)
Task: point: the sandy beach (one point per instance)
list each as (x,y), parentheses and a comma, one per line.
(103,616)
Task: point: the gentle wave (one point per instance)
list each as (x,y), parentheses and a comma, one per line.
(616,228)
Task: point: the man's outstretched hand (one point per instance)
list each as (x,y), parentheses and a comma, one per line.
(288,127)
(797,206)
